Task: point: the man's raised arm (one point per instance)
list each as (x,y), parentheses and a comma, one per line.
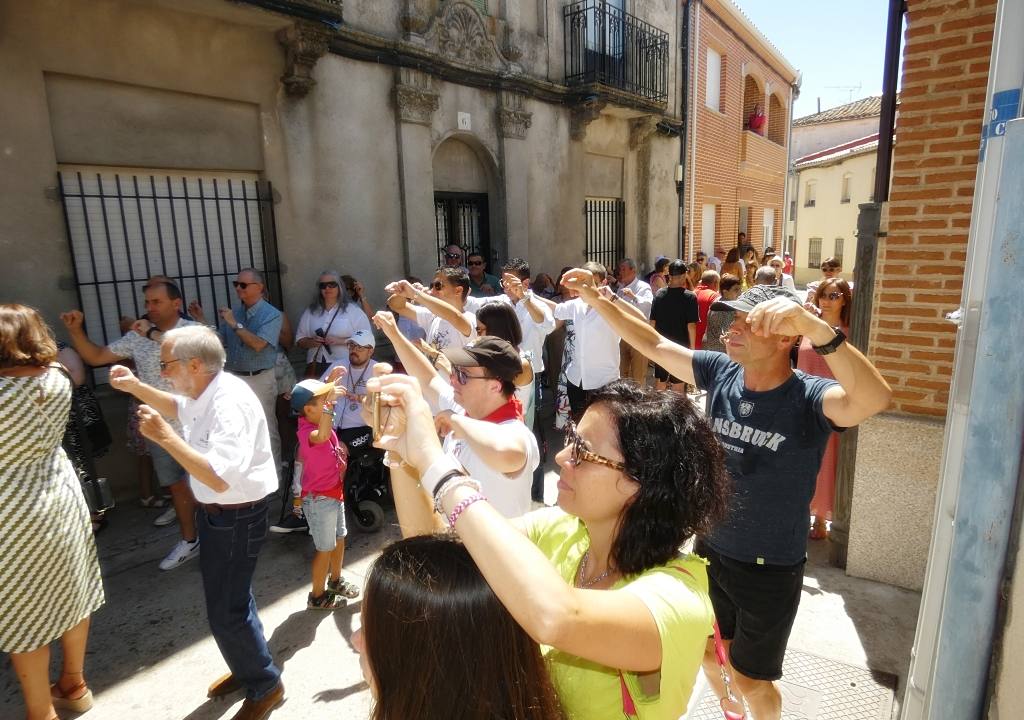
(632,327)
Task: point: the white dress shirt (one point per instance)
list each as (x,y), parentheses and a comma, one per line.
(596,360)
(227,426)
(533,332)
(643,296)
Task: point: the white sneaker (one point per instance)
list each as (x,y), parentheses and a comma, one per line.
(180,554)
(167,517)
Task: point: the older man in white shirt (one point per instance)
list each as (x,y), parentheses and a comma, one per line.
(638,294)
(226,452)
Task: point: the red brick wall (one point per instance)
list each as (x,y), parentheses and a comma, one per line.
(920,263)
(719,179)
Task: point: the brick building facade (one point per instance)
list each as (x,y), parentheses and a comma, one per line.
(736,178)
(921,261)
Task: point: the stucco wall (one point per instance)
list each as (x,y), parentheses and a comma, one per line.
(829,218)
(812,138)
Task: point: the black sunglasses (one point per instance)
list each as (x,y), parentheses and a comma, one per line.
(464,377)
(437,285)
(325,285)
(243,285)
(833,295)
(475,262)
(453,256)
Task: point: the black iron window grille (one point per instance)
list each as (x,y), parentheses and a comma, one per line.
(604,44)
(199,231)
(462,219)
(605,222)
(814,253)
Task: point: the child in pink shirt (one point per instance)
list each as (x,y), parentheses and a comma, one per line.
(324,460)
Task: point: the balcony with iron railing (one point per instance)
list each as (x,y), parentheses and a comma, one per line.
(328,12)
(606,46)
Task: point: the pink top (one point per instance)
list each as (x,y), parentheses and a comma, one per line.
(323,465)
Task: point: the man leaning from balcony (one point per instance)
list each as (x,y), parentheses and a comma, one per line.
(773,423)
(141,344)
(226,452)
(638,294)
(250,333)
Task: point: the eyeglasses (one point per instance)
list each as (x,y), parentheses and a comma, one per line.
(830,269)
(832,296)
(243,285)
(325,285)
(453,255)
(580,453)
(474,262)
(464,377)
(436,285)
(165,363)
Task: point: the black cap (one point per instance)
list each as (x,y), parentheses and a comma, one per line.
(493,354)
(755,296)
(676,268)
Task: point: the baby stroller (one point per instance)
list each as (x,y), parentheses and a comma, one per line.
(367,480)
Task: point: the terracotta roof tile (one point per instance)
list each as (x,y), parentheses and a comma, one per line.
(866,107)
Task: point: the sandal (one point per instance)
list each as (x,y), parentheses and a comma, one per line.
(343,587)
(327,601)
(153,501)
(78,699)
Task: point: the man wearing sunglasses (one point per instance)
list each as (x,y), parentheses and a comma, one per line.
(481,282)
(440,309)
(774,424)
(250,331)
(454,257)
(141,345)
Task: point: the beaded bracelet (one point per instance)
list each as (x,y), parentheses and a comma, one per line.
(449,486)
(461,508)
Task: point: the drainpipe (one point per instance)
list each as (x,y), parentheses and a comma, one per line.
(684,89)
(794,93)
(693,111)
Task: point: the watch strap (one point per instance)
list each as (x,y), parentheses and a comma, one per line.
(832,345)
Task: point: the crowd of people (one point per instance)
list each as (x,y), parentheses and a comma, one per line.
(677,540)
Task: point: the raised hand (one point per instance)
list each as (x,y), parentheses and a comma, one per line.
(514,287)
(153,426)
(782,316)
(141,327)
(121,378)
(227,316)
(336,374)
(72,319)
(384,320)
(408,426)
(581,281)
(196,311)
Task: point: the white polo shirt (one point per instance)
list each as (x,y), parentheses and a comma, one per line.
(227,426)
(596,359)
(643,296)
(533,332)
(510,494)
(441,334)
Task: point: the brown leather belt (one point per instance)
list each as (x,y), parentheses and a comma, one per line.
(217,508)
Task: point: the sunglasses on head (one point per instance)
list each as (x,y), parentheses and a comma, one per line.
(243,285)
(325,285)
(463,377)
(475,262)
(581,454)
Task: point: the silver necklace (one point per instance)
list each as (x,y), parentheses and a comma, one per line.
(580,583)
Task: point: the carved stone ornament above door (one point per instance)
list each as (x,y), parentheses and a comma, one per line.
(457,33)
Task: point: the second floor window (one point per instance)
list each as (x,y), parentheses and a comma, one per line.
(713,94)
(844,194)
(810,194)
(837,251)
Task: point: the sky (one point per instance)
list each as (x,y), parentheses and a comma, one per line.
(837,45)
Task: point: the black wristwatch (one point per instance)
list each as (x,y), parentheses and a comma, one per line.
(149,333)
(832,345)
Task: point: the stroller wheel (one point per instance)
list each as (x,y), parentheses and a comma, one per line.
(369,516)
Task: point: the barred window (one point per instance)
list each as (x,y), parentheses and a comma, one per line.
(837,252)
(814,253)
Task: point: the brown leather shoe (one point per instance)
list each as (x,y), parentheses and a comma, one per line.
(224,685)
(259,709)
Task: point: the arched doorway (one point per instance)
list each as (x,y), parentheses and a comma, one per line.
(463,187)
(776,121)
(752,97)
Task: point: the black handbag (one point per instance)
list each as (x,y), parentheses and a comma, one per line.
(86,438)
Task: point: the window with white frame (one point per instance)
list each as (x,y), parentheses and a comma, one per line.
(810,193)
(713,84)
(844,193)
(768,228)
(814,253)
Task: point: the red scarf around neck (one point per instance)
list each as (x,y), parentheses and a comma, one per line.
(512,410)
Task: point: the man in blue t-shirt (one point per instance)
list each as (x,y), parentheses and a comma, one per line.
(774,423)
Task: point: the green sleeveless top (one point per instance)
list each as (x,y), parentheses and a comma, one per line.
(681,608)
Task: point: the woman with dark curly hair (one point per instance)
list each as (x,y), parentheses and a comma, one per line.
(600,581)
(419,596)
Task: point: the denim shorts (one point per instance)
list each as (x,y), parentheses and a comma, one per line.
(165,467)
(326,518)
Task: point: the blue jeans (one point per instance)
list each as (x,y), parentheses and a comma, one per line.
(230,543)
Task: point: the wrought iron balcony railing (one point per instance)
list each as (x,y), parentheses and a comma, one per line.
(605,45)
